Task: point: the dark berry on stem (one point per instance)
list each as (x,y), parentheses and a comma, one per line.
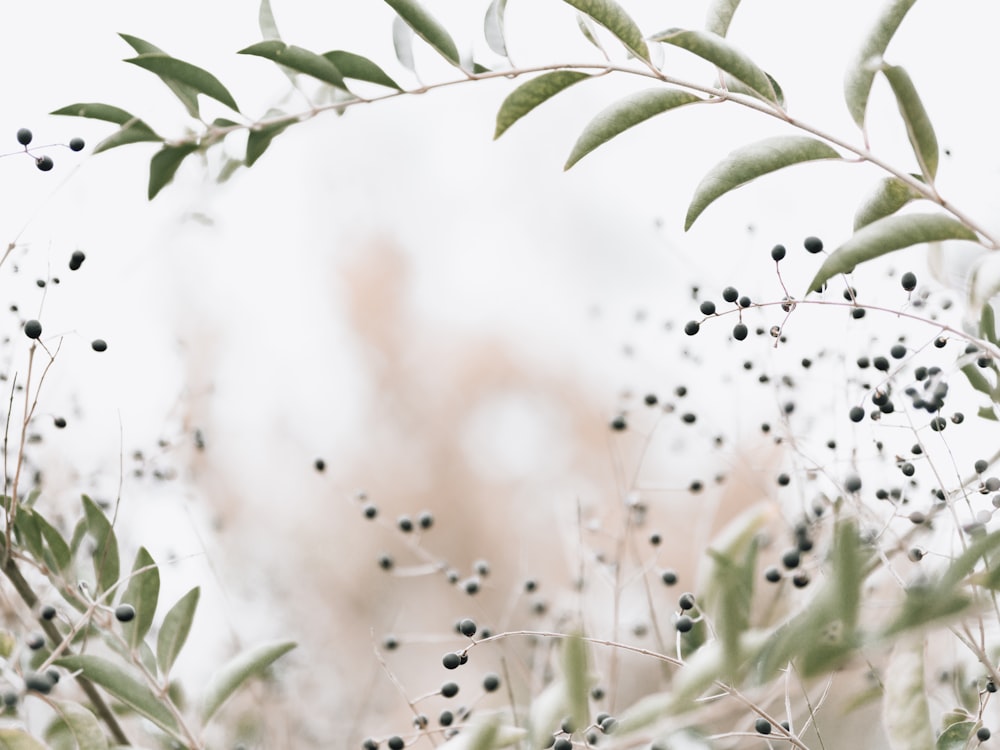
(707,307)
(491,682)
(99,345)
(691,327)
(740,332)
(44,163)
(813,244)
(24,136)
(32,329)
(76,144)
(763,726)
(909,281)
(451,660)
(778,252)
(730,294)
(124,613)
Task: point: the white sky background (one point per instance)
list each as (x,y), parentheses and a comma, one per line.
(499,237)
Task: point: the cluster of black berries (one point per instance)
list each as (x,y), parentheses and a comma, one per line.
(45,163)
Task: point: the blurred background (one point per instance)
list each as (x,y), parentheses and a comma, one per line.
(449,324)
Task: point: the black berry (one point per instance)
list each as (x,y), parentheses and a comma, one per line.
(99,345)
(707,307)
(44,163)
(124,613)
(451,660)
(909,281)
(740,331)
(76,260)
(730,294)
(24,136)
(857,413)
(76,144)
(467,627)
(449,689)
(763,726)
(32,329)
(684,624)
(778,252)
(491,682)
(691,327)
(813,244)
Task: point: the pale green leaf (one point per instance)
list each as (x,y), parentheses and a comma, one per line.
(720,15)
(905,712)
(174,631)
(227,680)
(18,739)
(122,686)
(987,412)
(427,28)
(956,736)
(297,59)
(402,43)
(723,55)
(886,235)
(164,164)
(625,114)
(265,19)
(96,111)
(988,324)
(134,131)
(106,562)
(59,555)
(589,30)
(737,86)
(576,673)
(173,70)
(614,18)
(142,593)
(360,68)
(861,71)
(918,124)
(80,726)
(260,138)
(493,27)
(889,195)
(750,162)
(977,380)
(530,94)
(645,711)
(27,533)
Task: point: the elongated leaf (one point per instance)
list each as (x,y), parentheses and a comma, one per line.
(187,94)
(80,726)
(259,140)
(614,18)
(240,669)
(134,131)
(720,15)
(142,592)
(121,685)
(988,324)
(57,546)
(956,736)
(427,28)
(18,739)
(96,111)
(265,19)
(918,123)
(27,532)
(530,94)
(106,562)
(625,114)
(723,55)
(298,59)
(172,69)
(589,30)
(889,195)
(738,87)
(750,162)
(493,27)
(886,235)
(905,711)
(174,631)
(861,71)
(164,164)
(402,43)
(977,380)
(576,674)
(360,68)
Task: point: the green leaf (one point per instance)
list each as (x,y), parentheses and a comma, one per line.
(297,59)
(625,114)
(720,15)
(530,94)
(589,30)
(240,669)
(427,28)
(265,18)
(750,162)
(493,27)
(187,94)
(61,558)
(173,70)
(360,68)
(79,725)
(988,324)
(134,131)
(723,55)
(861,72)
(259,139)
(106,562)
(18,739)
(889,195)
(27,533)
(918,123)
(402,43)
(164,164)
(886,235)
(737,86)
(906,715)
(977,380)
(613,17)
(142,592)
(96,111)
(987,412)
(956,736)
(122,686)
(174,631)
(576,673)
